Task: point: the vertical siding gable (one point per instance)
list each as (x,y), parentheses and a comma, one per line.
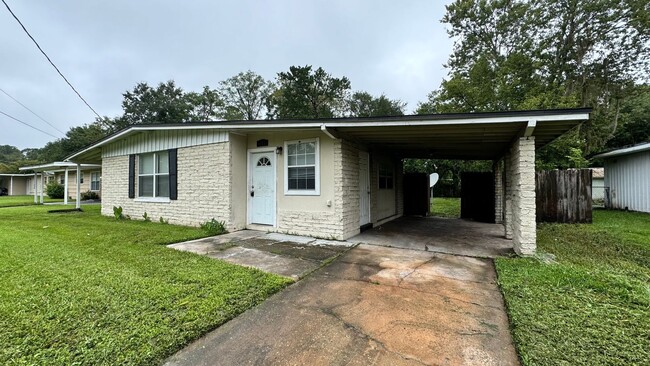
(163,140)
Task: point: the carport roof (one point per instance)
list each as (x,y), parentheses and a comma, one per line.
(485,135)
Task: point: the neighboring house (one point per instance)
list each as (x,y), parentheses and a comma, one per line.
(627,178)
(322,178)
(20,184)
(65,173)
(598,184)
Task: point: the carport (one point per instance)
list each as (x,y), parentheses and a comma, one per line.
(508,139)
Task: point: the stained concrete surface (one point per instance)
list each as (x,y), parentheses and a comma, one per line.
(285,255)
(372,306)
(452,236)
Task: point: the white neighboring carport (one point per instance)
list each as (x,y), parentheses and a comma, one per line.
(47,169)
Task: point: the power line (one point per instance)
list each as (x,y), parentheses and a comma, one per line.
(48,59)
(27,124)
(34,113)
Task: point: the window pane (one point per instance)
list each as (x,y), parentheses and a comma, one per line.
(291,160)
(301,148)
(310,147)
(300,160)
(146,164)
(292,149)
(145,186)
(302,178)
(311,159)
(162,162)
(162,186)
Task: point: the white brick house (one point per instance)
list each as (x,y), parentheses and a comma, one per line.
(323,178)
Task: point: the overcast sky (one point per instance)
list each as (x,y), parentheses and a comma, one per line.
(105,47)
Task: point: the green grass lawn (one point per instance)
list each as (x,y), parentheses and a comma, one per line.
(445,207)
(79,288)
(12,201)
(592,307)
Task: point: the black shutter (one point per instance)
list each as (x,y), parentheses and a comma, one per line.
(173,174)
(131,176)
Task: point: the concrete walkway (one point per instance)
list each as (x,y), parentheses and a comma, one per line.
(286,255)
(372,306)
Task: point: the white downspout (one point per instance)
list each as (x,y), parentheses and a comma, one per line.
(11,186)
(327,132)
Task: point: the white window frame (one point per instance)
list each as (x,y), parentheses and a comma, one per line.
(386,168)
(302,192)
(155,175)
(99,181)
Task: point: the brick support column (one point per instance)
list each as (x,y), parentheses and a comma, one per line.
(497,169)
(522,178)
(507,202)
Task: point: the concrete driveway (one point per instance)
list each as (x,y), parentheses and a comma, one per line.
(372,306)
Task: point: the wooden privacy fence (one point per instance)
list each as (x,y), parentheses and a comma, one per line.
(564,196)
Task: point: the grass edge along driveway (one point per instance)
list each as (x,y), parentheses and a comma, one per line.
(592,307)
(79,288)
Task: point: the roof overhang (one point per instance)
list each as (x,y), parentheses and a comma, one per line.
(624,151)
(59,166)
(451,136)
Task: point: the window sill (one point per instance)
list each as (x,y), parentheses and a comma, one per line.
(301,193)
(152,199)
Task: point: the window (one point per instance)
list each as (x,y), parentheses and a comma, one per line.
(302,168)
(94,182)
(81,176)
(62,179)
(386,177)
(153,175)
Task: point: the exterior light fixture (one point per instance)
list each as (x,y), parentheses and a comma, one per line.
(278,150)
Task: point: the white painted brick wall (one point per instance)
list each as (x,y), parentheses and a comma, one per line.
(498,191)
(204,183)
(522,180)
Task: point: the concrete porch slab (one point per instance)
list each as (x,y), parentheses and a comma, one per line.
(451,236)
(294,268)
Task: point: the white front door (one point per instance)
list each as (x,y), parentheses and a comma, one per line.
(262,188)
(364,188)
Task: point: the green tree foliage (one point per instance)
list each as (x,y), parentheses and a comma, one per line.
(525,54)
(635,119)
(306,93)
(166,103)
(206,105)
(9,154)
(362,104)
(245,96)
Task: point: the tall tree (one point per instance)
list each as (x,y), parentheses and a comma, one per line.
(527,54)
(205,106)
(10,154)
(246,96)
(362,104)
(166,103)
(306,93)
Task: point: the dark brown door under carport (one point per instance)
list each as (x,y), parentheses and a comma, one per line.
(477,196)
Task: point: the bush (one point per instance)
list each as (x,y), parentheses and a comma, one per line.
(55,190)
(214,227)
(89,195)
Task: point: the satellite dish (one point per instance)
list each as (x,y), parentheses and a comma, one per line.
(433,179)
